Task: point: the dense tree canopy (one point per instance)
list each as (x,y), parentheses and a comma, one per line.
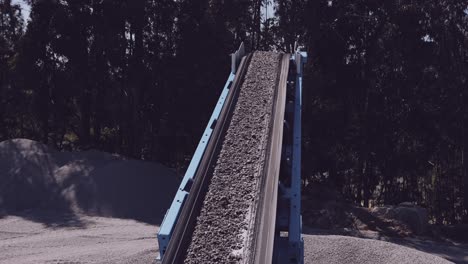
(385,91)
(385,101)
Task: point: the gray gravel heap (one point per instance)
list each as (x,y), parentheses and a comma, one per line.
(222,231)
(332,249)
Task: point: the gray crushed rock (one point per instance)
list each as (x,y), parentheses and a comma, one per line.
(38,237)
(331,249)
(221,234)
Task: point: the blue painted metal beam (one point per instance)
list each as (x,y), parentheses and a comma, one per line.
(296,242)
(170,219)
(290,245)
(172,215)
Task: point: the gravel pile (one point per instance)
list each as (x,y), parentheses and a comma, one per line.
(332,249)
(222,231)
(35,176)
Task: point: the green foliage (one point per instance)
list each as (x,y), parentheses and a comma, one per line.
(385,98)
(149,71)
(11,29)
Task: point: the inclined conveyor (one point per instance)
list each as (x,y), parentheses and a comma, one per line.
(276,231)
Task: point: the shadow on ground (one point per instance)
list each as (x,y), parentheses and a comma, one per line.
(54,219)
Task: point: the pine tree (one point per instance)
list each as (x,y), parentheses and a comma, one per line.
(11,29)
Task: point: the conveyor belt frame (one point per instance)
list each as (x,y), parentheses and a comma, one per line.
(170,219)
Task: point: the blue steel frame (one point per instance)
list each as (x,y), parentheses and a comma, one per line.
(170,219)
(289,245)
(172,214)
(296,242)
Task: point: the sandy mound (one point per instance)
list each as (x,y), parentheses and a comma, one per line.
(332,249)
(35,176)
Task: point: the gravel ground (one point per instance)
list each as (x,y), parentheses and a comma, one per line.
(221,234)
(45,237)
(30,172)
(332,249)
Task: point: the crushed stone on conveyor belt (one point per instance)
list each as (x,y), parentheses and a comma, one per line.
(222,233)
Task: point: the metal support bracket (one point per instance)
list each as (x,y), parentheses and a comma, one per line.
(236,58)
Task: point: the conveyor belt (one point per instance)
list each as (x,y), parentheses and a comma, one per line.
(183,230)
(261,229)
(266,215)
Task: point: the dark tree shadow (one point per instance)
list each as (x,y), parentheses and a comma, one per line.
(54,219)
(127,190)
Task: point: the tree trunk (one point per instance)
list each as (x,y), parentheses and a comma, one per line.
(3,84)
(85,117)
(137,75)
(465,169)
(100,73)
